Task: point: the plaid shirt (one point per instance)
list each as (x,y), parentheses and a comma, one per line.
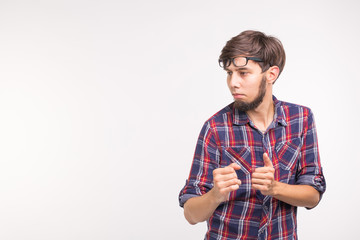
(230,136)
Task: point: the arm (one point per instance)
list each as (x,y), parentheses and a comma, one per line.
(208,184)
(199,209)
(296,195)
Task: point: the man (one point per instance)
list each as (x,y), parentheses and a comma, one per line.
(257,159)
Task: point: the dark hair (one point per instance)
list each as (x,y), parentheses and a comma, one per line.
(256,44)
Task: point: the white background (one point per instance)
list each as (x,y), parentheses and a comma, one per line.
(101,104)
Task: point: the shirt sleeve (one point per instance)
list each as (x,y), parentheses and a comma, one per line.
(310,170)
(206,159)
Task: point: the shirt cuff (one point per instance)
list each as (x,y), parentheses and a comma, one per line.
(185,197)
(317,182)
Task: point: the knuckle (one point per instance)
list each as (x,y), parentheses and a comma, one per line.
(223,191)
(270,176)
(218,184)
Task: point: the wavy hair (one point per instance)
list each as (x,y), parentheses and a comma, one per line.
(256,44)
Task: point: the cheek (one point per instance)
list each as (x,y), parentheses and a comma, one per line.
(228,82)
(254,85)
(254,88)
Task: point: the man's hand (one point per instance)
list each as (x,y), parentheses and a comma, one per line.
(263,177)
(198,209)
(225,181)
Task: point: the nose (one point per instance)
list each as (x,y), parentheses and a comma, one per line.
(234,80)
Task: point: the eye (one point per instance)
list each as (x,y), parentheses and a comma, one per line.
(243,73)
(228,73)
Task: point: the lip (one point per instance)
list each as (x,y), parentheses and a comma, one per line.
(238,95)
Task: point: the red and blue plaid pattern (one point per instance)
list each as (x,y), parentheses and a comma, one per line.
(230,136)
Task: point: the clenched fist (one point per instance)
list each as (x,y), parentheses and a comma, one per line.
(263,177)
(225,181)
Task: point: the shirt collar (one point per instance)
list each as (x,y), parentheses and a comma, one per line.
(280,117)
(241,118)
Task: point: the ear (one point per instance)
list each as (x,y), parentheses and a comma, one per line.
(272,74)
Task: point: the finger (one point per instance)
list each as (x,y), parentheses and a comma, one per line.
(264,176)
(224,170)
(259,187)
(228,169)
(267,161)
(229,189)
(224,177)
(264,182)
(235,166)
(264,170)
(258,175)
(229,183)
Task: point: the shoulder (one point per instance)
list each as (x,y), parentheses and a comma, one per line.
(218,120)
(294,110)
(297,117)
(225,114)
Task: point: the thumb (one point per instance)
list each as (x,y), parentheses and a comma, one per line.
(267,161)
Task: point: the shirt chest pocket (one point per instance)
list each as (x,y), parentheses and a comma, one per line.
(288,154)
(240,155)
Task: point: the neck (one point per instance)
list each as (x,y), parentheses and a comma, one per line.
(263,115)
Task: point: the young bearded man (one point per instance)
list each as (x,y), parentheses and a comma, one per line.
(257,159)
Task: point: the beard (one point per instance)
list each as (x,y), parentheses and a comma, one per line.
(247,106)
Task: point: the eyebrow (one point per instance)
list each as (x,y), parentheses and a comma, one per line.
(239,68)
